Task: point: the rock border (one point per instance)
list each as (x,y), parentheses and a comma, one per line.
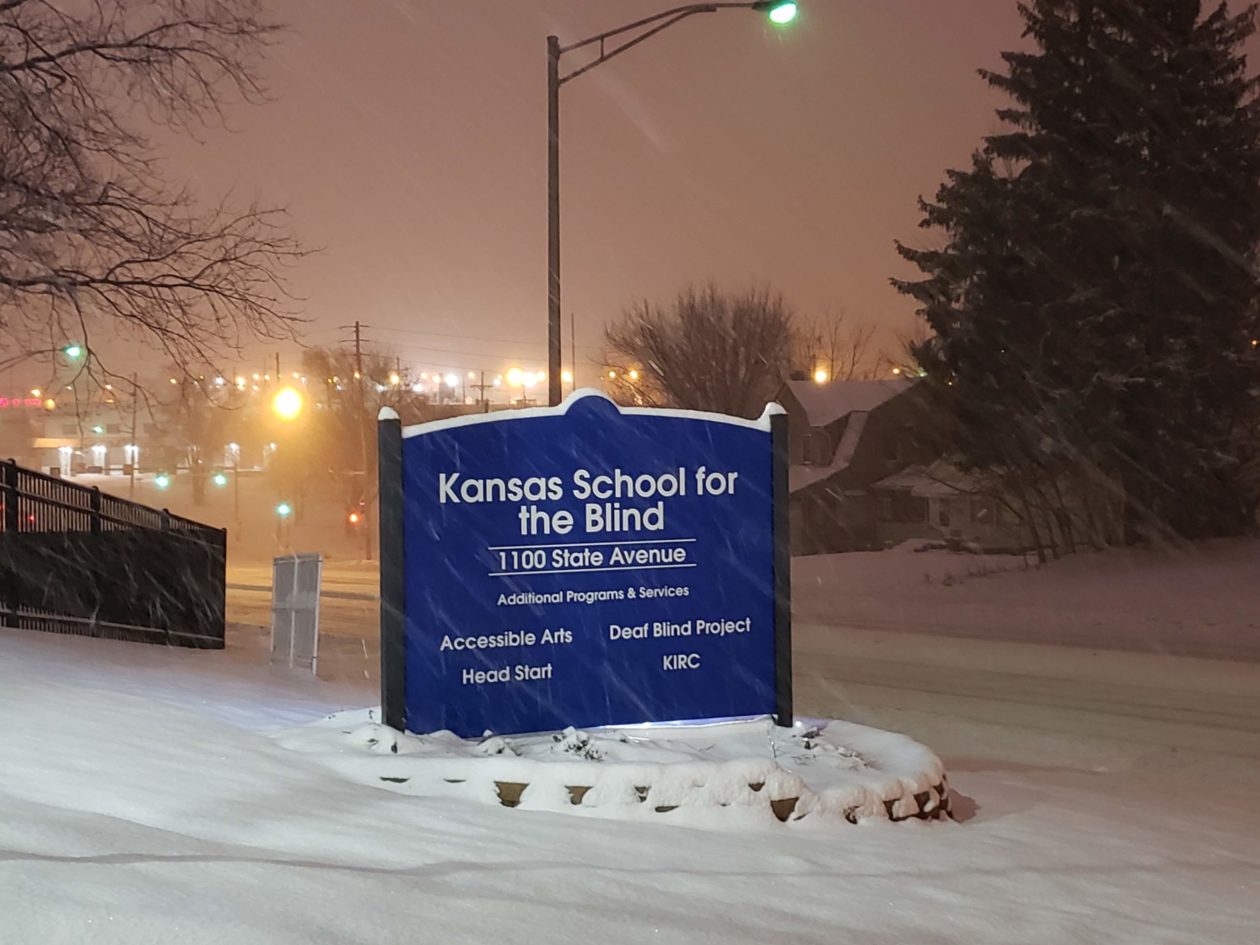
(932,804)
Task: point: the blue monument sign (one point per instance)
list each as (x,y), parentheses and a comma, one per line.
(583,565)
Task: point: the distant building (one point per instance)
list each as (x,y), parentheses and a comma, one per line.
(845,437)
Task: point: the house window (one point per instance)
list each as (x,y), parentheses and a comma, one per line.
(942,513)
(901,507)
(903,444)
(817,448)
(912,509)
(825,448)
(884,508)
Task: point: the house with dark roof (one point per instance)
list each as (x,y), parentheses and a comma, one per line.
(845,436)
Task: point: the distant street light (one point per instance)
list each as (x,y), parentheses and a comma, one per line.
(780,12)
(287,403)
(162,480)
(220,479)
(284,510)
(821,376)
(73,351)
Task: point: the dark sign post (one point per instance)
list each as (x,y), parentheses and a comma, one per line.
(583,565)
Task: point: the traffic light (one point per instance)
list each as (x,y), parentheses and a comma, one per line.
(162,480)
(284,510)
(73,351)
(219,478)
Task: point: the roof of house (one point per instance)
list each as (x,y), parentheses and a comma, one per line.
(801,476)
(904,480)
(939,481)
(826,403)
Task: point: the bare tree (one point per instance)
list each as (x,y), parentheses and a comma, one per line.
(910,356)
(94,244)
(710,350)
(827,343)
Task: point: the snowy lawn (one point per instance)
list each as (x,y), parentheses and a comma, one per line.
(1204,601)
(145,796)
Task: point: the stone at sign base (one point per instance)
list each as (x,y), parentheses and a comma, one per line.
(708,773)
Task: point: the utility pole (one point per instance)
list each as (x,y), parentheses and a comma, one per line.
(277,367)
(481,390)
(608,44)
(553,220)
(363,424)
(572,353)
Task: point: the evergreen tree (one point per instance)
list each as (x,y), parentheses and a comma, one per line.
(1094,302)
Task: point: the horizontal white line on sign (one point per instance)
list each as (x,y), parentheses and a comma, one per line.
(628,567)
(588,544)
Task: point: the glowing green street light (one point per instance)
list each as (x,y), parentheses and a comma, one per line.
(220,479)
(162,480)
(284,510)
(782,13)
(73,351)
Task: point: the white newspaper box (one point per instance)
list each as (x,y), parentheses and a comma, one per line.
(295,609)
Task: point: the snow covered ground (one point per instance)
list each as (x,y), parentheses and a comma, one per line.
(146,795)
(1199,601)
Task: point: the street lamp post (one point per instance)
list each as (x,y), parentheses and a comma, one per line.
(780,12)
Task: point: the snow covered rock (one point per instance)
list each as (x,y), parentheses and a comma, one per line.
(698,775)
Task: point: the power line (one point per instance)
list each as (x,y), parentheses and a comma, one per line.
(462,337)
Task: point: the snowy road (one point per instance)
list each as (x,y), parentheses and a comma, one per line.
(1159,707)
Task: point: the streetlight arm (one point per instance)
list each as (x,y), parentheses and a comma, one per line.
(663,20)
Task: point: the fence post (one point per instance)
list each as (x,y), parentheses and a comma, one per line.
(94,503)
(10,487)
(9,498)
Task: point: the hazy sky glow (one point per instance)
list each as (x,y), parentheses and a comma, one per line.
(407,138)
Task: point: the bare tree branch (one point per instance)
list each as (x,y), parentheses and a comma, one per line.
(92,240)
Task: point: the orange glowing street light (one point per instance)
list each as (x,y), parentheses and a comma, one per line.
(287,404)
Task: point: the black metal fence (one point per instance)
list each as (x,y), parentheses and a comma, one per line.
(76,560)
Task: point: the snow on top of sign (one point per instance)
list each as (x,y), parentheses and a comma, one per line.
(833,769)
(527,413)
(387,413)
